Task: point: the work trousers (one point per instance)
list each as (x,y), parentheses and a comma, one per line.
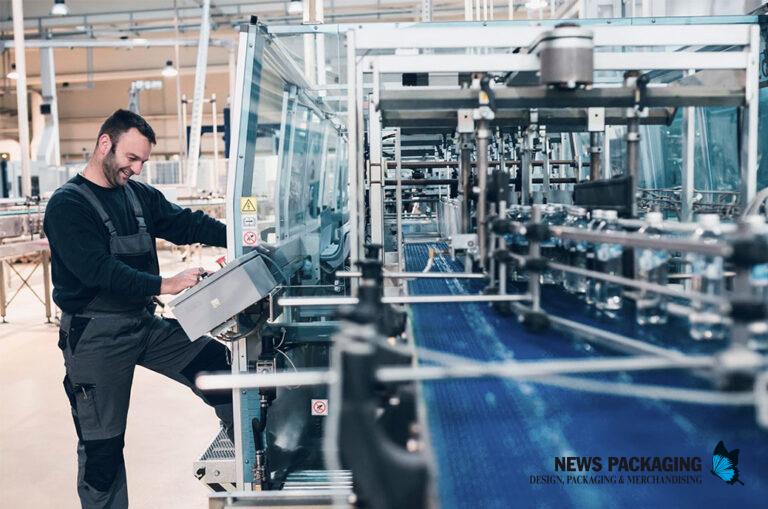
(101,351)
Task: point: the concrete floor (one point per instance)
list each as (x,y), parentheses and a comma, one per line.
(168,426)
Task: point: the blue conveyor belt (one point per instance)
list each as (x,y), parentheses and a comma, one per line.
(488,437)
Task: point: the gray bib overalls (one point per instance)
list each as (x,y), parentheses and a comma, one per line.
(104,342)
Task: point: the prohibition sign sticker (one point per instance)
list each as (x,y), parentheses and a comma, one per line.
(319,407)
(250,238)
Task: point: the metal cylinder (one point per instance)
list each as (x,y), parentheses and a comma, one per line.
(566,56)
(466,173)
(482,134)
(633,142)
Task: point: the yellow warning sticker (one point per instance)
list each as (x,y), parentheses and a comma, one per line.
(248,204)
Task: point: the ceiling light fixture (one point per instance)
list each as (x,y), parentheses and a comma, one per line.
(535,4)
(169,71)
(13,74)
(59,8)
(295,7)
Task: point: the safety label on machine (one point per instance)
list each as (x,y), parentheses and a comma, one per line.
(250,238)
(319,407)
(249,221)
(248,204)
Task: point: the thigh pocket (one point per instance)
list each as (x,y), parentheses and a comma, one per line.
(86,407)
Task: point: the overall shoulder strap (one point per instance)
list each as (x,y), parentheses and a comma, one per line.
(91,198)
(137,209)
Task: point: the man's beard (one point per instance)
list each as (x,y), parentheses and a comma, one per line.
(111,169)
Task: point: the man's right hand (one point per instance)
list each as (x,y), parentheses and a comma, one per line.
(181,281)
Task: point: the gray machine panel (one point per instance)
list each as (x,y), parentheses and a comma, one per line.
(223,295)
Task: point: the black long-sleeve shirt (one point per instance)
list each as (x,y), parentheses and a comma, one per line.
(81,264)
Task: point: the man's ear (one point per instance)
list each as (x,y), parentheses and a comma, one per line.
(104,144)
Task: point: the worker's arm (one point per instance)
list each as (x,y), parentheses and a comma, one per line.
(182,226)
(81,243)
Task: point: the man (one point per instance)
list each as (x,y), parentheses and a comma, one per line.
(102,228)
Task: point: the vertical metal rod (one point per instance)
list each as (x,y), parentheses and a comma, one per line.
(466,174)
(742,291)
(633,143)
(214,173)
(502,247)
(546,187)
(48,83)
(606,166)
(595,153)
(525,168)
(182,164)
(633,154)
(180,122)
(46,261)
(575,154)
(482,134)
(491,247)
(232,68)
(749,127)
(354,252)
(320,49)
(688,168)
(376,166)
(21,97)
(3,296)
(193,158)
(359,82)
(534,251)
(399,200)
(310,67)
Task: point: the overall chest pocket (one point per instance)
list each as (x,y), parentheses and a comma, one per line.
(137,244)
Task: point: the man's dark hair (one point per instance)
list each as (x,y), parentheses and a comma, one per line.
(122,121)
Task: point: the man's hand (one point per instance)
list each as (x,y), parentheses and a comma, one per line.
(181,281)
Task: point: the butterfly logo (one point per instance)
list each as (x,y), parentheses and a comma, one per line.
(724,464)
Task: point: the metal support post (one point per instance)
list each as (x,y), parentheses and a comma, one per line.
(526,159)
(749,120)
(688,166)
(502,246)
(46,262)
(399,201)
(482,134)
(21,97)
(466,181)
(545,186)
(48,85)
(214,174)
(181,118)
(352,141)
(534,251)
(426,11)
(633,142)
(3,296)
(375,172)
(193,161)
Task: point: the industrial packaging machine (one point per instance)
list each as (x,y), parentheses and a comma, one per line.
(413,343)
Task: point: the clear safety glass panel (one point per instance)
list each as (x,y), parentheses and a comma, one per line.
(717,174)
(762,141)
(285,149)
(332,71)
(301,165)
